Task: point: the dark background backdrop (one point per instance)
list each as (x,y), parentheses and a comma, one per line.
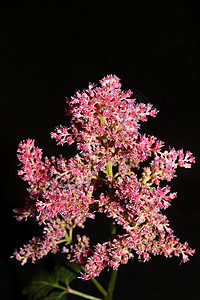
(51,50)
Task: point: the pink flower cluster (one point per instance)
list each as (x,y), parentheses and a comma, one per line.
(102,178)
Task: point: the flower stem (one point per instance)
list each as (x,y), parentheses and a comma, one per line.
(99,286)
(109,169)
(111,285)
(112,228)
(61,241)
(113,278)
(70,233)
(83,295)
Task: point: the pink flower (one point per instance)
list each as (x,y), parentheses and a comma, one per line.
(105,177)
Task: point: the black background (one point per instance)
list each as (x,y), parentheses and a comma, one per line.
(51,50)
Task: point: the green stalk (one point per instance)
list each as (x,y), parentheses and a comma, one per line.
(83,295)
(113,278)
(61,241)
(67,238)
(112,228)
(111,285)
(58,286)
(109,169)
(99,286)
(70,233)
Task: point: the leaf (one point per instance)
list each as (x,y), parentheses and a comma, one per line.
(67,272)
(56,296)
(73,267)
(44,283)
(41,285)
(64,275)
(38,287)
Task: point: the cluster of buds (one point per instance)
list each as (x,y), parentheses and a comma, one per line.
(102,178)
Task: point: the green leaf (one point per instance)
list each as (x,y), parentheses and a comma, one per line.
(64,275)
(67,272)
(73,267)
(41,285)
(56,296)
(44,283)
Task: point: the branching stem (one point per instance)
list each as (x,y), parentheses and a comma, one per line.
(83,295)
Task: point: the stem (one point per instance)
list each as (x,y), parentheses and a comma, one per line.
(67,238)
(83,295)
(98,286)
(109,169)
(111,285)
(58,286)
(112,228)
(70,233)
(61,241)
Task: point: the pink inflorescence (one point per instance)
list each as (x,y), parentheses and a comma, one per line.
(102,178)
